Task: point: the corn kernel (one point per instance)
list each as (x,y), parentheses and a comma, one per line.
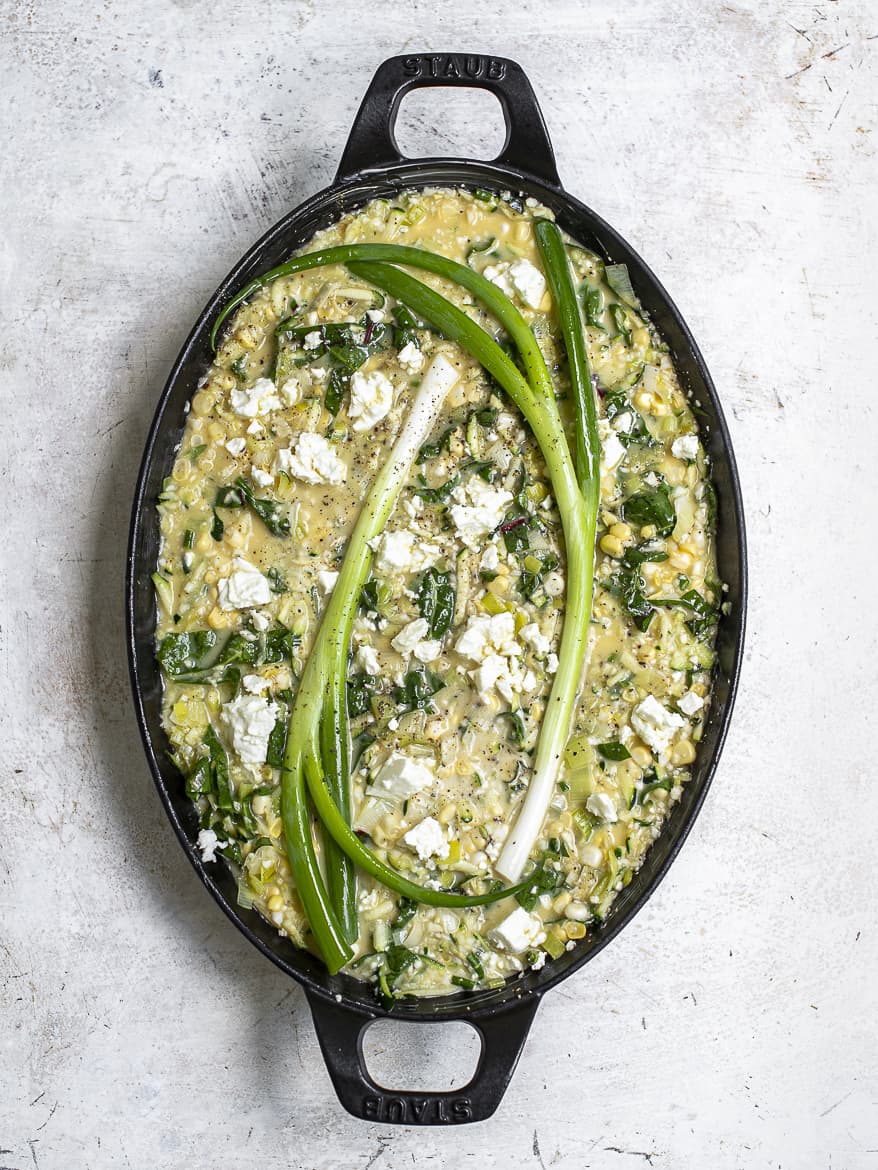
(641,756)
(622,530)
(217,620)
(683,752)
(612,545)
(276,903)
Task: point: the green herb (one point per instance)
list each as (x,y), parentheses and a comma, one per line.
(277,580)
(620,320)
(277,742)
(239,367)
(418,688)
(435,598)
(217,528)
(360,689)
(269,512)
(196,451)
(651,508)
(614,751)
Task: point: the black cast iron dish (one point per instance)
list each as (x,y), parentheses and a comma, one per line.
(372,167)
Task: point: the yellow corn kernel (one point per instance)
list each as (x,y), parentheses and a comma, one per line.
(276,903)
(574,929)
(612,545)
(446,814)
(216,431)
(642,756)
(217,620)
(622,530)
(247,337)
(204,542)
(203,403)
(561,903)
(683,752)
(643,400)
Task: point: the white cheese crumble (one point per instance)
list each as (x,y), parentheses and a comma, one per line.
(260,622)
(208,843)
(260,477)
(236,447)
(411,357)
(690,703)
(254,684)
(371,399)
(403,551)
(401,776)
(250,721)
(428,839)
(535,638)
(517,932)
(601,805)
(312,340)
(612,449)
(686,447)
(256,400)
(490,560)
(326,579)
(244,587)
(519,277)
(490,641)
(367,660)
(412,639)
(655,725)
(479,509)
(312,460)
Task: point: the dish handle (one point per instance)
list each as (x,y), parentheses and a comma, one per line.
(340,1029)
(372,143)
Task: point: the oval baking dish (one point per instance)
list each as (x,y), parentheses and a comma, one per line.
(372,167)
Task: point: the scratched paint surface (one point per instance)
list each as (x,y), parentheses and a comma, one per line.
(145,147)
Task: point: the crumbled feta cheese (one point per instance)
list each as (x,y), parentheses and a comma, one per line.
(412,639)
(488,634)
(319,374)
(690,703)
(551,663)
(236,447)
(244,587)
(490,560)
(256,400)
(402,776)
(655,725)
(367,660)
(517,932)
(428,839)
(612,449)
(312,460)
(602,806)
(479,510)
(686,447)
(411,357)
(250,721)
(208,843)
(326,579)
(371,399)
(254,684)
(403,552)
(255,427)
(534,637)
(260,622)
(294,387)
(376,315)
(623,422)
(409,636)
(591,855)
(519,277)
(490,641)
(553,584)
(261,477)
(312,340)
(539,962)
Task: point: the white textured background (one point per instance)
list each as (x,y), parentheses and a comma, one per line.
(144,146)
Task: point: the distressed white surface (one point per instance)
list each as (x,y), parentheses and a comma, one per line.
(144,147)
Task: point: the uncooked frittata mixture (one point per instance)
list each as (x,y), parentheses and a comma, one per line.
(451,644)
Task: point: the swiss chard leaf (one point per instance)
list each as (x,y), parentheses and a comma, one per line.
(436,599)
(546,879)
(277,742)
(651,508)
(181,653)
(629,588)
(417,690)
(704,615)
(359,689)
(614,751)
(270,512)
